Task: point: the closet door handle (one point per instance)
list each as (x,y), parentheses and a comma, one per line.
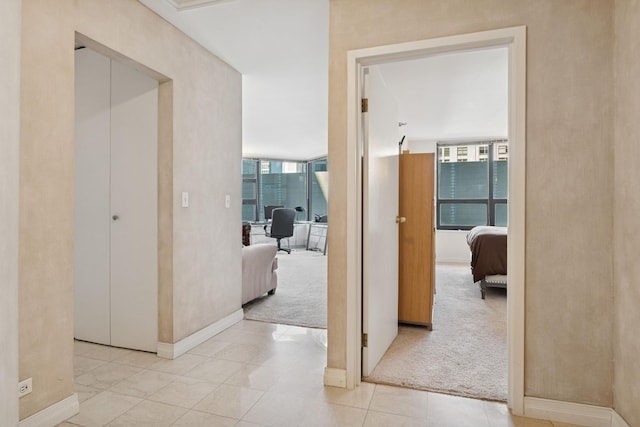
(115,217)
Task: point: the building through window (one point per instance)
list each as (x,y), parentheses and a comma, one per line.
(472,188)
(292,184)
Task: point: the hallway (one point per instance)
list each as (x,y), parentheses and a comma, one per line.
(256,374)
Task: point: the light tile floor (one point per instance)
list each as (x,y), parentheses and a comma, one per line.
(256,374)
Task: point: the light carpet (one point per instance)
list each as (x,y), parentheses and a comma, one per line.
(301,296)
(465,354)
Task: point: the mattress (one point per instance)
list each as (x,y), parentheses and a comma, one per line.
(488,251)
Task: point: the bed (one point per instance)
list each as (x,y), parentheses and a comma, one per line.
(488,247)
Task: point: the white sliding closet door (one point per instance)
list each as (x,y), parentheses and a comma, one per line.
(116,279)
(134,201)
(92,266)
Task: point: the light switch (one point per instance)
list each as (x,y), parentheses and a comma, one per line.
(185,199)
(227,201)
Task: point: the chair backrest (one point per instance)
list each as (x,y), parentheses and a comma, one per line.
(282,222)
(246,234)
(268,211)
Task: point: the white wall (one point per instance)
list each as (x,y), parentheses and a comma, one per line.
(451,246)
(9,143)
(199,150)
(564,335)
(626,269)
(422,146)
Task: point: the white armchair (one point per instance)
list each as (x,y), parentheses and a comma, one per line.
(259,264)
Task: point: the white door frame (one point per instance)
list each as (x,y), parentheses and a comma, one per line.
(514,39)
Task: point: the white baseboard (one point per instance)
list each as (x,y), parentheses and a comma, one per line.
(171,351)
(335,377)
(617,420)
(54,414)
(461,261)
(568,412)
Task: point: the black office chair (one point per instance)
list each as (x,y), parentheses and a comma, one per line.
(268,211)
(282,225)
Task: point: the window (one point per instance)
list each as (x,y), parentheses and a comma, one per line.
(319,188)
(284,183)
(264,166)
(445,151)
(503,152)
(249,190)
(483,153)
(462,151)
(473,192)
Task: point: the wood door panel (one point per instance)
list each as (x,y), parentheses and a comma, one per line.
(416,248)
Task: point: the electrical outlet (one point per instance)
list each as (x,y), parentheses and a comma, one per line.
(25,387)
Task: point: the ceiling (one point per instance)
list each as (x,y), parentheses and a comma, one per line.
(453,96)
(281,48)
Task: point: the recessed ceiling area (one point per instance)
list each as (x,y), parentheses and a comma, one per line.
(281,48)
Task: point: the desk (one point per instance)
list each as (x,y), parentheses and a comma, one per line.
(317,237)
(299,238)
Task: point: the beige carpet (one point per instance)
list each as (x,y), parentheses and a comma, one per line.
(301,296)
(465,354)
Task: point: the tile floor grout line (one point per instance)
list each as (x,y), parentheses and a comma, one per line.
(282,355)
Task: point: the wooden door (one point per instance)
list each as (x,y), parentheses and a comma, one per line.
(417,239)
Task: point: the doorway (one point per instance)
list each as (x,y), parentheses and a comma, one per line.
(514,40)
(116,204)
(453,110)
